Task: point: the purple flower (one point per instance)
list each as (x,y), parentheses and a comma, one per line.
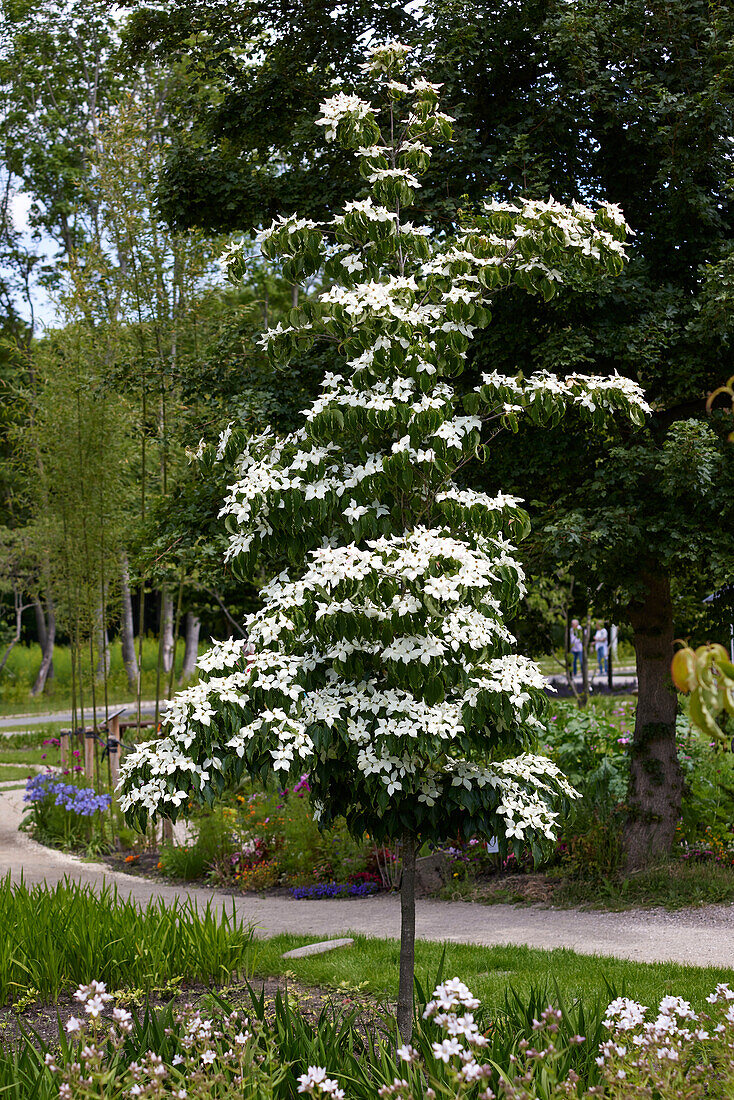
(322,890)
(82,801)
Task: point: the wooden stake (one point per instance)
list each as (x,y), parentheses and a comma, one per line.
(89,755)
(113,745)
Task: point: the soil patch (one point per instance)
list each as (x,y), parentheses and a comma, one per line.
(527,889)
(43,1021)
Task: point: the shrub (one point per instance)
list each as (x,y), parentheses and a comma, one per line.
(266,837)
(184,862)
(590,748)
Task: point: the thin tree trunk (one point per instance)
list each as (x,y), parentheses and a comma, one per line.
(166,629)
(127,629)
(583,700)
(48,636)
(655,787)
(102,669)
(191,647)
(176,632)
(407,939)
(20,607)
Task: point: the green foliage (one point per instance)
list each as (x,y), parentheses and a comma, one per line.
(182,862)
(708,796)
(589,747)
(260,838)
(672,884)
(57,74)
(250,154)
(55,937)
(55,825)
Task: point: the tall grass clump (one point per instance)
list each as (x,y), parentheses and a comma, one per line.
(53,938)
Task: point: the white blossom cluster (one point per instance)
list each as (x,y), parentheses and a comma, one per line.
(677,1052)
(382,664)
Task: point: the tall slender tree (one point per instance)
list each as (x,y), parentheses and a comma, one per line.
(382,663)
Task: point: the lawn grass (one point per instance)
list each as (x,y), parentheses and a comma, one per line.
(22,666)
(28,734)
(28,756)
(7,772)
(372,965)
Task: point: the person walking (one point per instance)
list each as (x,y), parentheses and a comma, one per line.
(577,645)
(601,644)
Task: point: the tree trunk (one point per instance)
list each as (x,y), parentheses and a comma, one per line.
(191,649)
(20,607)
(166,629)
(654,796)
(46,624)
(40,623)
(407,939)
(583,698)
(102,670)
(127,630)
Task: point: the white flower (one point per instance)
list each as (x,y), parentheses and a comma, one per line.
(447,1049)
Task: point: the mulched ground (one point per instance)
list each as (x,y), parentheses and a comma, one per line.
(513,888)
(145,865)
(44,1020)
(519,889)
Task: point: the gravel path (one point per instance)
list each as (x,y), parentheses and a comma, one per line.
(13,722)
(702,937)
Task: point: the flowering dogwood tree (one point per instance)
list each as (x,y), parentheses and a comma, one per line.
(382,663)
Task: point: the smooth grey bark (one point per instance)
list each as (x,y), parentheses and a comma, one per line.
(407,939)
(191,646)
(46,623)
(127,630)
(19,607)
(166,629)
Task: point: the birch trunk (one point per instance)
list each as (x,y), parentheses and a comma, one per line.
(19,609)
(166,629)
(127,629)
(191,648)
(46,623)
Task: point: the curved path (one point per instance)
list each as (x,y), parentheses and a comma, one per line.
(701,937)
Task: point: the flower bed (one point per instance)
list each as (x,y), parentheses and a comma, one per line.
(63,814)
(262,839)
(455,1051)
(322,890)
